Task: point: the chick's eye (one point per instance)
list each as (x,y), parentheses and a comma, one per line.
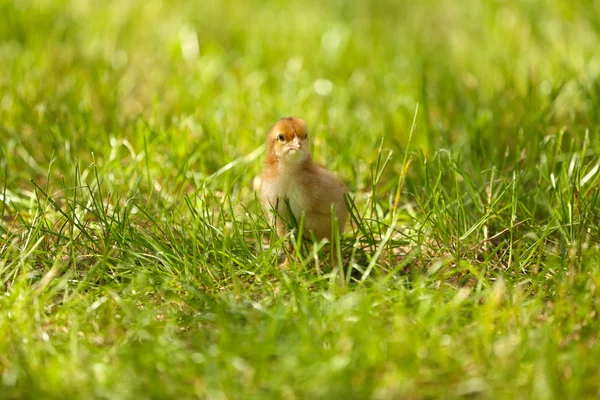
(281,138)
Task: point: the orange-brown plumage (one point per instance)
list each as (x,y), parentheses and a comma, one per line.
(292,177)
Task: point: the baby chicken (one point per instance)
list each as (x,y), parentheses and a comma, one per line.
(292,182)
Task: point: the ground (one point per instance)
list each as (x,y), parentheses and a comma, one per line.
(135,259)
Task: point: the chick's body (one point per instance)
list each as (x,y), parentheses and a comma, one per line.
(293,182)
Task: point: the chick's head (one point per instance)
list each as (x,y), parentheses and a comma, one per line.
(288,140)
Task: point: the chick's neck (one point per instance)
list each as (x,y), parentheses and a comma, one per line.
(283,167)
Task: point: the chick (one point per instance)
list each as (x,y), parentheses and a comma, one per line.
(293,182)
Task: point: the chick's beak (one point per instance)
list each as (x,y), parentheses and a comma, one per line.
(296,143)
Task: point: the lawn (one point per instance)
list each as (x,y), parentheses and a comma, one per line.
(136,261)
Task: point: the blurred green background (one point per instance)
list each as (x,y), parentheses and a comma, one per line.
(207,79)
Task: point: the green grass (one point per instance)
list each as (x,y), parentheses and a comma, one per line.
(134,255)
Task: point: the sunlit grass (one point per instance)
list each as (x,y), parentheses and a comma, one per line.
(136,260)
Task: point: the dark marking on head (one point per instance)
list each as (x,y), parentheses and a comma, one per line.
(288,121)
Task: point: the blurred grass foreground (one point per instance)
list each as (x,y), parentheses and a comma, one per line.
(135,261)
